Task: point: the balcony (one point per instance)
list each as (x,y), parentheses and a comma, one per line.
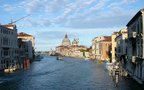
(134,59)
(133,35)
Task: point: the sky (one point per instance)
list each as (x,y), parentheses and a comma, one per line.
(50,20)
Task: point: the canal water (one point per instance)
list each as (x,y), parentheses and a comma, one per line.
(69,74)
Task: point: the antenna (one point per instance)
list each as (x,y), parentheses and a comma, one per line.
(12,22)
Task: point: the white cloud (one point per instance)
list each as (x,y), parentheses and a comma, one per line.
(121,3)
(129,1)
(88,2)
(98,6)
(79,18)
(55,6)
(8,8)
(32,5)
(74,13)
(35,22)
(48,6)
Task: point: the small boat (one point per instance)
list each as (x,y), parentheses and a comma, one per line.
(38,58)
(6,70)
(10,69)
(87,58)
(59,58)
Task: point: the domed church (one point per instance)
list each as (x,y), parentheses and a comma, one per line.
(66,41)
(75,42)
(71,49)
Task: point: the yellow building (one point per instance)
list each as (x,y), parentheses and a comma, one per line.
(101,47)
(114,44)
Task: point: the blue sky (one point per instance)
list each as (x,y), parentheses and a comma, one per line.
(50,20)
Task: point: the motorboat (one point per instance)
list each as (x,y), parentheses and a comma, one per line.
(59,58)
(10,69)
(87,58)
(38,58)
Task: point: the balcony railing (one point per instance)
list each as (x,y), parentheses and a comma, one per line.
(134,60)
(133,35)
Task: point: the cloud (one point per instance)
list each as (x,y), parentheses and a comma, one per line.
(53,35)
(55,6)
(75,13)
(111,19)
(11,7)
(129,1)
(32,5)
(35,22)
(8,8)
(102,13)
(98,6)
(79,17)
(120,3)
(89,2)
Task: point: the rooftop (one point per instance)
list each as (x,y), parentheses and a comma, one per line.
(23,34)
(9,26)
(108,38)
(136,16)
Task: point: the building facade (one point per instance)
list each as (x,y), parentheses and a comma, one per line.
(114,46)
(63,48)
(29,43)
(121,42)
(95,46)
(26,36)
(8,46)
(135,61)
(75,42)
(101,48)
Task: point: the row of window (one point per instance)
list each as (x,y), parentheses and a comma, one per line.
(7,41)
(3,66)
(5,63)
(8,52)
(138,48)
(137,26)
(6,31)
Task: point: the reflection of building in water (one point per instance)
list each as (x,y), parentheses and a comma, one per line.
(72,50)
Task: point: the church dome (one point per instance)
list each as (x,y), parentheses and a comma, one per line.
(75,42)
(66,41)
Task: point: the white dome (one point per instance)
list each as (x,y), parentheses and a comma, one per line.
(66,41)
(75,42)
